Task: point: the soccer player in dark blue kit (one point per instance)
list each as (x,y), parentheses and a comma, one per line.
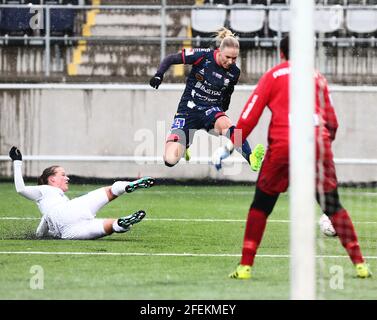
(206,97)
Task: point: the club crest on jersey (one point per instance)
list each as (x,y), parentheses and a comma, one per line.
(226,82)
(199,77)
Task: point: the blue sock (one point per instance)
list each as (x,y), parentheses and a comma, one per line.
(245,151)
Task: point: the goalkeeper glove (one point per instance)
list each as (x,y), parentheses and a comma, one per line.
(156,80)
(15,154)
(221,154)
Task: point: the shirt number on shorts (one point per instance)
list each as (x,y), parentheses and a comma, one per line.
(178,123)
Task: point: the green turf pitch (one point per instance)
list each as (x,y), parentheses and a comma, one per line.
(184,249)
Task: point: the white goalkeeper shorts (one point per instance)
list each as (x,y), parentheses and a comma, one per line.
(75,219)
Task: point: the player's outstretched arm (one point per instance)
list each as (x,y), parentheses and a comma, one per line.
(31,193)
(157,79)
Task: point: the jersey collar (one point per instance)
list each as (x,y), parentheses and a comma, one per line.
(215,53)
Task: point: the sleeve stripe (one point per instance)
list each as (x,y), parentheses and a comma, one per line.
(198,61)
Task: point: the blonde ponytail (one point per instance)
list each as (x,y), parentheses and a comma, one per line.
(226,38)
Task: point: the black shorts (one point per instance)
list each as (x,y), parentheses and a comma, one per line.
(185,124)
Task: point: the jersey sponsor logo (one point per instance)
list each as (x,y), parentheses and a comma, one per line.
(178,123)
(205,98)
(217,75)
(191,104)
(199,77)
(214,109)
(201,72)
(189,52)
(281,72)
(202,49)
(203,88)
(249,107)
(226,82)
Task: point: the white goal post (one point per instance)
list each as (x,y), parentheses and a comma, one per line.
(302,166)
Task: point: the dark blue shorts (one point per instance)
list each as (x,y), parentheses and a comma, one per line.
(185,124)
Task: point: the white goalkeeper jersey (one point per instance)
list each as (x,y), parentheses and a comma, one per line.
(48,198)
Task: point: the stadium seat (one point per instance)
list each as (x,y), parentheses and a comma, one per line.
(361,23)
(278,20)
(224,2)
(279,2)
(241,2)
(247,23)
(247,20)
(61,20)
(361,20)
(15,21)
(330,2)
(328,20)
(205,22)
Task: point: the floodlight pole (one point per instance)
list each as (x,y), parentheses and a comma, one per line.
(302,151)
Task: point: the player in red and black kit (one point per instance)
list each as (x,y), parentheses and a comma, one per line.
(209,87)
(272,91)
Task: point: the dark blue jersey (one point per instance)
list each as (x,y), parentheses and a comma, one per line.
(208,84)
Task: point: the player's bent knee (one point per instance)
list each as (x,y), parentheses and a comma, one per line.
(329,202)
(170,160)
(264,201)
(168,164)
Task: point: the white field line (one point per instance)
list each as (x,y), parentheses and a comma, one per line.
(188,220)
(249,192)
(163,254)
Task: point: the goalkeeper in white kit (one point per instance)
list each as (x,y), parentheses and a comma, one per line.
(74,219)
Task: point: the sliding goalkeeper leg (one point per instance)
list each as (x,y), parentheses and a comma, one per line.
(145,182)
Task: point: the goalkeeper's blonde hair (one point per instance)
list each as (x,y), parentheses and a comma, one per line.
(226,39)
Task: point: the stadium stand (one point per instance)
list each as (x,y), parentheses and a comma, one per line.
(135,53)
(133,58)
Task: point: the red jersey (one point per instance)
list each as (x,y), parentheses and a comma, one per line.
(272,92)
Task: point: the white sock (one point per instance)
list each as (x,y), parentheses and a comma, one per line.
(119,187)
(117,228)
